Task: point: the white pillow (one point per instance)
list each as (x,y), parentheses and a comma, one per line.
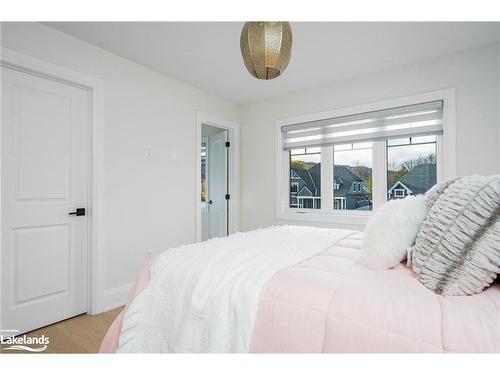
(391,231)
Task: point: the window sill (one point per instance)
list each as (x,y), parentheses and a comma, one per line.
(343,217)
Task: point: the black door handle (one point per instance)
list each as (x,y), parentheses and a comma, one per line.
(78,212)
(210,201)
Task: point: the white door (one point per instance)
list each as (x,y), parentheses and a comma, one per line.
(218,185)
(44,178)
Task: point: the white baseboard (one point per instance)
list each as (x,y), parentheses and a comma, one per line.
(115,297)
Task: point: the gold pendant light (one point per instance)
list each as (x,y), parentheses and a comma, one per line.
(266,48)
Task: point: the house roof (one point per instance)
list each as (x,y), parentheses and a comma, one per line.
(308,178)
(419,179)
(315,173)
(345,177)
(342,175)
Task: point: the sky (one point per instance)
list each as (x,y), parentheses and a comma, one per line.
(396,155)
(353,157)
(363,157)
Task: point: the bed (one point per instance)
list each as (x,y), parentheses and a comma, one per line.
(327,303)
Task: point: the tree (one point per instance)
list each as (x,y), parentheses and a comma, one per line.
(368,182)
(393,176)
(409,164)
(397,170)
(299,164)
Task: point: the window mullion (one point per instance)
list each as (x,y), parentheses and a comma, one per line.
(285,176)
(440,174)
(379,174)
(327,179)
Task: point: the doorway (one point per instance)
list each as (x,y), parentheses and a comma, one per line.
(214,182)
(217,177)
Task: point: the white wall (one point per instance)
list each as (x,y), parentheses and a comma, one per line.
(148,202)
(474,75)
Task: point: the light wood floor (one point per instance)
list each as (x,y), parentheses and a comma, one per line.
(81,334)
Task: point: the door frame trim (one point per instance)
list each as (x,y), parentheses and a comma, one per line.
(233,136)
(94,86)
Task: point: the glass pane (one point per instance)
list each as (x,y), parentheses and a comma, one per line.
(343,147)
(411,169)
(313,150)
(362,145)
(305,178)
(352,177)
(203,171)
(423,139)
(298,151)
(398,142)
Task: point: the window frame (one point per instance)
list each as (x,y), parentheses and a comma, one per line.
(445,158)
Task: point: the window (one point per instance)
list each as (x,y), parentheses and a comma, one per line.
(362,158)
(399,193)
(305,178)
(352,164)
(411,166)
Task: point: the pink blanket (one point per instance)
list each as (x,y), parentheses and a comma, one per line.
(328,304)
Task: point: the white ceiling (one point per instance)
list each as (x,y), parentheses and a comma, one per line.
(207,54)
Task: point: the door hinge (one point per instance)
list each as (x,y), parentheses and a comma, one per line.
(228,144)
(228,196)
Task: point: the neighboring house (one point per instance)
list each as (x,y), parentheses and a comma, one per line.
(349,191)
(417,181)
(305,187)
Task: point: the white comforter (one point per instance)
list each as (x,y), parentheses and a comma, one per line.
(203,297)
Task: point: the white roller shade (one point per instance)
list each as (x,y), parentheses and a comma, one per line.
(412,120)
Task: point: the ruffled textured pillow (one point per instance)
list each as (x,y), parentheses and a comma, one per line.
(457,251)
(436,191)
